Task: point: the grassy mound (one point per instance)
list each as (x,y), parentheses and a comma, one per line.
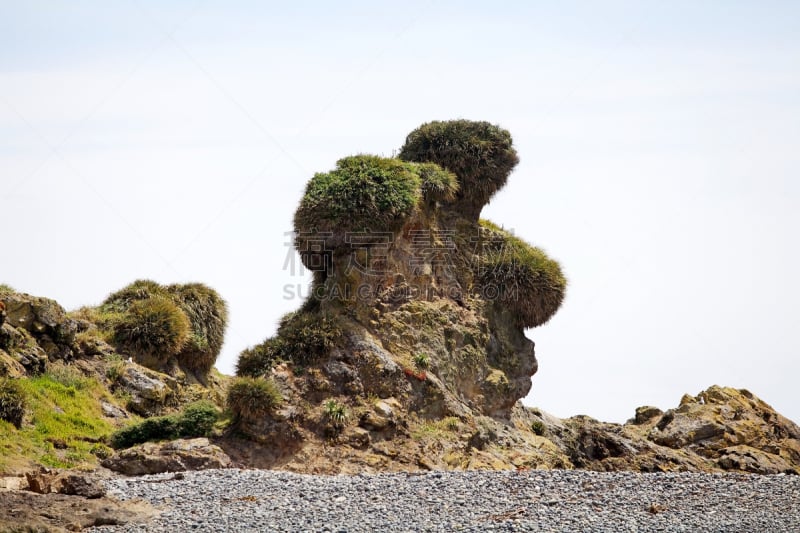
(438,184)
(6,289)
(153,330)
(154,323)
(363,194)
(252,398)
(208,317)
(520,277)
(302,339)
(481,155)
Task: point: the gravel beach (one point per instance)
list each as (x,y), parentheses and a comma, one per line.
(555,500)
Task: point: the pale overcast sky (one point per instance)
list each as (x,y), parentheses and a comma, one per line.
(658,145)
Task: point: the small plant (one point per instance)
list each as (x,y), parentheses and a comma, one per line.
(452,423)
(5,289)
(101,451)
(260,359)
(422,361)
(12,402)
(335,412)
(115,367)
(253,398)
(538,427)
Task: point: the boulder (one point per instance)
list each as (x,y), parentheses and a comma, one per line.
(47,481)
(173,456)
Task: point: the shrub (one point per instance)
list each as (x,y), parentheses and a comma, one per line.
(6,289)
(154,328)
(12,402)
(155,428)
(208,316)
(302,338)
(252,398)
(196,420)
(364,193)
(260,359)
(538,427)
(480,154)
(306,338)
(521,278)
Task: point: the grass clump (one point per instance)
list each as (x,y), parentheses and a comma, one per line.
(252,398)
(302,339)
(153,329)
(6,289)
(141,289)
(13,402)
(521,277)
(208,316)
(538,427)
(196,420)
(365,193)
(438,184)
(479,153)
(260,359)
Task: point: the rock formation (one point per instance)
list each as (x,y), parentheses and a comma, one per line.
(410,351)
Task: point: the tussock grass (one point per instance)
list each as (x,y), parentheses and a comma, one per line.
(252,398)
(521,277)
(479,153)
(208,317)
(153,329)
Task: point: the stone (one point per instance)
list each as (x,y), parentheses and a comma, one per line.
(173,456)
(646,413)
(112,411)
(47,481)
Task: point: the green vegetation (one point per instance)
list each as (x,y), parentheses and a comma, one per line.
(364,193)
(538,427)
(520,277)
(62,407)
(422,361)
(438,184)
(155,323)
(196,420)
(251,398)
(141,289)
(208,317)
(153,329)
(302,338)
(6,289)
(335,412)
(480,154)
(12,402)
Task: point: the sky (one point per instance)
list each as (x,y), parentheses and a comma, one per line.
(658,145)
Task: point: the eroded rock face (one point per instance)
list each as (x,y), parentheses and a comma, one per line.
(719,429)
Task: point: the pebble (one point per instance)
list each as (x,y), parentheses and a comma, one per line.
(556,500)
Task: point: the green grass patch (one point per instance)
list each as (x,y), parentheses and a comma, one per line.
(62,407)
(195,420)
